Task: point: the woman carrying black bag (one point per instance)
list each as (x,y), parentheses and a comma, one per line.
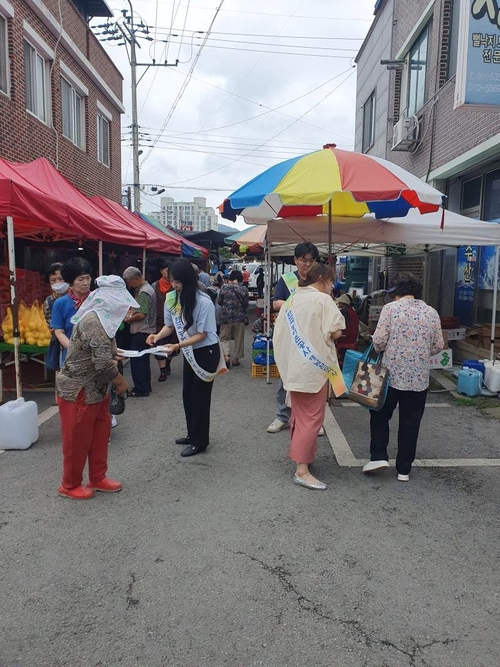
(233,299)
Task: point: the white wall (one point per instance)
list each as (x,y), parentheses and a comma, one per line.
(371,75)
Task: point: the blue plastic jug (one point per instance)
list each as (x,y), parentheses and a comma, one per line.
(473,363)
(470,381)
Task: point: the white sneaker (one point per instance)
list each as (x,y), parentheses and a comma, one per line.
(114,421)
(374,466)
(277,425)
(403,478)
(321,431)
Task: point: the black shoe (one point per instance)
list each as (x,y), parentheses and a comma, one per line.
(191,450)
(137,394)
(163,375)
(183,441)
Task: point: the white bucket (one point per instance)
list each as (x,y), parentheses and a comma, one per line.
(18,424)
(492,375)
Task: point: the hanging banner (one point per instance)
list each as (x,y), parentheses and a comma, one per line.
(478,63)
(464,286)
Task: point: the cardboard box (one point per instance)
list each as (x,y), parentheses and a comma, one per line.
(443,360)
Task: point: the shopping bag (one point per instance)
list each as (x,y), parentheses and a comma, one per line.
(370,384)
(116,401)
(351,359)
(53,355)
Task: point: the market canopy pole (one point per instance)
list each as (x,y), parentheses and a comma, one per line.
(494,305)
(13,300)
(101,271)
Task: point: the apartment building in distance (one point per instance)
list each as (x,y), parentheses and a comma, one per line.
(433,107)
(60,93)
(186,216)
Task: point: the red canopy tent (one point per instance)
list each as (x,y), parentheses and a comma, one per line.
(44,204)
(155,239)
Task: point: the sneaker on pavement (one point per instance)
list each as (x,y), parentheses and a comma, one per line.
(114,421)
(374,466)
(322,431)
(277,425)
(403,478)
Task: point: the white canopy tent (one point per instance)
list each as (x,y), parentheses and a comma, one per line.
(370,236)
(415,234)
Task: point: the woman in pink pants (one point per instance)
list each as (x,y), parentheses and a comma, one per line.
(304,335)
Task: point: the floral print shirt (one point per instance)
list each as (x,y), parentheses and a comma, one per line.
(89,364)
(409,332)
(233,300)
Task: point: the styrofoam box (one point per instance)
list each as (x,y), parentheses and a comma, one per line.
(443,360)
(456,334)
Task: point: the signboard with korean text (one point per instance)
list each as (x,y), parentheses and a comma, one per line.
(464,286)
(478,64)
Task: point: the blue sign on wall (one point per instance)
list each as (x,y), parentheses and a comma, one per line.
(487,268)
(478,66)
(464,286)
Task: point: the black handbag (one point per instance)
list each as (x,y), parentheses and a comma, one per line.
(116,401)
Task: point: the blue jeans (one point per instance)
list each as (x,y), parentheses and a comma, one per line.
(283,412)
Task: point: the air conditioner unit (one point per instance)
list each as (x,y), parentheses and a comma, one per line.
(405,134)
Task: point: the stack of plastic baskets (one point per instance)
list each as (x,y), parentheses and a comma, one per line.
(259,358)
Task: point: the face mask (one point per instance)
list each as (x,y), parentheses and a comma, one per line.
(60,288)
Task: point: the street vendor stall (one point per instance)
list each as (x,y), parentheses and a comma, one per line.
(38,203)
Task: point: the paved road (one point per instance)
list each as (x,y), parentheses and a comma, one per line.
(219,560)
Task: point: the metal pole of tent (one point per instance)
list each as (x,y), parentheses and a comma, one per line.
(267,304)
(494,304)
(101,270)
(330,233)
(144,262)
(13,300)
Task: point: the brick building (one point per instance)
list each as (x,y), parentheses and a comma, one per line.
(405,113)
(60,93)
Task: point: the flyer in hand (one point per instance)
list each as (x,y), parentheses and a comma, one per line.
(133,354)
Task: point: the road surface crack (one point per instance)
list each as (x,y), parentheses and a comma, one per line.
(131,601)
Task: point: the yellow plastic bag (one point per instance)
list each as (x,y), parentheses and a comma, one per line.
(8,327)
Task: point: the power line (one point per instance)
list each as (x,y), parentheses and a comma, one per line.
(187,79)
(187,180)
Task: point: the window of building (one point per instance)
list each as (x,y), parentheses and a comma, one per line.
(368,123)
(103,140)
(73,114)
(417,71)
(471,197)
(4,56)
(36,82)
(492,196)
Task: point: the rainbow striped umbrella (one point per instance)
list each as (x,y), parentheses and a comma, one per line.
(354,183)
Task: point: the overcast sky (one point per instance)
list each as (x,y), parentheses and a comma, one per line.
(214,122)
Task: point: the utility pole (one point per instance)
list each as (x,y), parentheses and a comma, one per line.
(135,123)
(127,31)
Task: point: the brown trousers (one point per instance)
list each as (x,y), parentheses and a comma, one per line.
(234,330)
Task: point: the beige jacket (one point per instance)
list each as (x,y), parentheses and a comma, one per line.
(317,317)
